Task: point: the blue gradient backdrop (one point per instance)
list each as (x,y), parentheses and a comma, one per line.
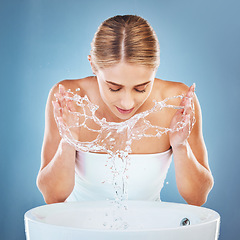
(45,41)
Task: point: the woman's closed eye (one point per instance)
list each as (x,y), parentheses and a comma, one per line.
(136,89)
(140,90)
(114,90)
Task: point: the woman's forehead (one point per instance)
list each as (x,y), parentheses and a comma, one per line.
(122,74)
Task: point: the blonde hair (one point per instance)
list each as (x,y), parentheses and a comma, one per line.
(125,38)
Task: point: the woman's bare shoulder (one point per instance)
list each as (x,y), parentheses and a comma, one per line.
(83,84)
(170,88)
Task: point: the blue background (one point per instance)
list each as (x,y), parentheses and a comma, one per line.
(45,41)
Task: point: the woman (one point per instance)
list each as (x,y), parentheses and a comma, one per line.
(124,57)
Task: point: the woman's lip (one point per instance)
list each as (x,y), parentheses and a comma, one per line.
(124,111)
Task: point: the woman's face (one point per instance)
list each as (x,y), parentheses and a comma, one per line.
(125,87)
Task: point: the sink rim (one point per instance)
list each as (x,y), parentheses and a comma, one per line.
(215,217)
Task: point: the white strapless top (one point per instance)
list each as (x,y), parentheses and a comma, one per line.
(146,175)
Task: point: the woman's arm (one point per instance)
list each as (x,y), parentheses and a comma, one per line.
(193,175)
(57,173)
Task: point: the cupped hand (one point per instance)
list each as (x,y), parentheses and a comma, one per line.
(185,116)
(63,109)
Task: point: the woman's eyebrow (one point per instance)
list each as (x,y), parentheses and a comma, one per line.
(113,83)
(119,85)
(142,84)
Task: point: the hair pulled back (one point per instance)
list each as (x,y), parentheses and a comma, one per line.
(125,38)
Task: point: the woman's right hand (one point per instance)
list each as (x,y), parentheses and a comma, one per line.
(63,109)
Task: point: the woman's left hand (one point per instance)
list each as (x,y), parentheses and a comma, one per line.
(184,115)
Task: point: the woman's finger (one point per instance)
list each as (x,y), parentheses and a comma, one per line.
(60,96)
(61,126)
(57,109)
(57,95)
(61,89)
(187,118)
(70,103)
(187,100)
(191,91)
(188,106)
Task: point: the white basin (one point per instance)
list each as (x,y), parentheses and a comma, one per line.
(146,220)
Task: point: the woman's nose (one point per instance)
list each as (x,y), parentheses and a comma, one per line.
(127,101)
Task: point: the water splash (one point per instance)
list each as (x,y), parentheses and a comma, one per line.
(113,138)
(107,133)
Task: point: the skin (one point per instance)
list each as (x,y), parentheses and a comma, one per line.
(120,92)
(121,88)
